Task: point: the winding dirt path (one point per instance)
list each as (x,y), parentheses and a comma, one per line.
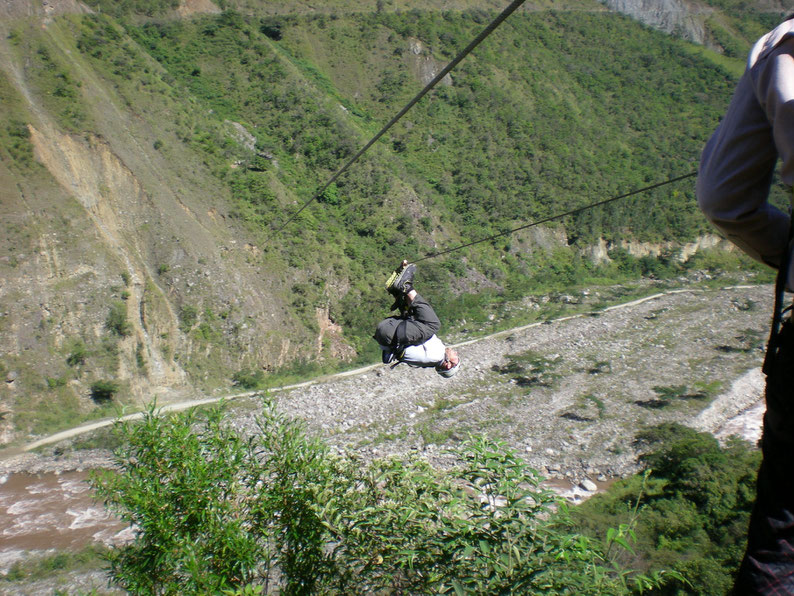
(496,345)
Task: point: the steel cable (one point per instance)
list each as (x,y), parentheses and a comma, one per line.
(553,217)
(466,51)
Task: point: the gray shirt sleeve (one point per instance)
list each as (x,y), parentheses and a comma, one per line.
(738,162)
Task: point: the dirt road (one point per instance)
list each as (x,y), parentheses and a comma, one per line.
(569,393)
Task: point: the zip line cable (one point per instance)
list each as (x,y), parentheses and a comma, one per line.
(558,216)
(485,33)
(447,69)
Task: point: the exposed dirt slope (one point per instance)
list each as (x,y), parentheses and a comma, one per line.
(105,220)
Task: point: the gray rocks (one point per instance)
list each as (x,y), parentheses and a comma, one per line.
(671,16)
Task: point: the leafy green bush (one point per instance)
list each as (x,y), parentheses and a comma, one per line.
(248,379)
(102,391)
(19,144)
(188,317)
(117,321)
(55,382)
(330,195)
(694,507)
(216,511)
(77,354)
(207,506)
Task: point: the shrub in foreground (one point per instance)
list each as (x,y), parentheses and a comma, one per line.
(216,511)
(694,502)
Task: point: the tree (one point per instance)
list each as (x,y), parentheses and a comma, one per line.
(215,510)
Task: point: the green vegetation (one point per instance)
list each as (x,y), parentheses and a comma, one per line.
(14,134)
(188,317)
(693,508)
(246,379)
(58,87)
(55,382)
(677,392)
(35,568)
(597,402)
(556,110)
(255,109)
(77,353)
(102,391)
(140,359)
(117,321)
(529,369)
(217,511)
(503,144)
(749,340)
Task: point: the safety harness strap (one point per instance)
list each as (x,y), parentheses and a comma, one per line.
(780,292)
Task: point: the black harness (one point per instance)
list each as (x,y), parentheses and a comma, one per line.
(780,291)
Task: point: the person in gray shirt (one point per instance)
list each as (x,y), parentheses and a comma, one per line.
(734,179)
(411,337)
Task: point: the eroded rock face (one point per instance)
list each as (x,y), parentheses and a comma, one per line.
(13,9)
(115,202)
(425,67)
(188,8)
(685,19)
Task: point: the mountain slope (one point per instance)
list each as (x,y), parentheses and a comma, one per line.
(149,157)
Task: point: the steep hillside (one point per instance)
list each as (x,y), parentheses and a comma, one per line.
(150,149)
(118,266)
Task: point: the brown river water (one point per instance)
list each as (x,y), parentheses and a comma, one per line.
(51,512)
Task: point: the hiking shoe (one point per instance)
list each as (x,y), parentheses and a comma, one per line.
(401,281)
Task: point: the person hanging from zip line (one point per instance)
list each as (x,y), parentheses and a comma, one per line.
(411,336)
(734,180)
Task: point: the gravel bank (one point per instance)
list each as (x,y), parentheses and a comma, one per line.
(569,394)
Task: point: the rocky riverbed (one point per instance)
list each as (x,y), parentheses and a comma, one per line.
(568,393)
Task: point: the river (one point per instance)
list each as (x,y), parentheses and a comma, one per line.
(51,512)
